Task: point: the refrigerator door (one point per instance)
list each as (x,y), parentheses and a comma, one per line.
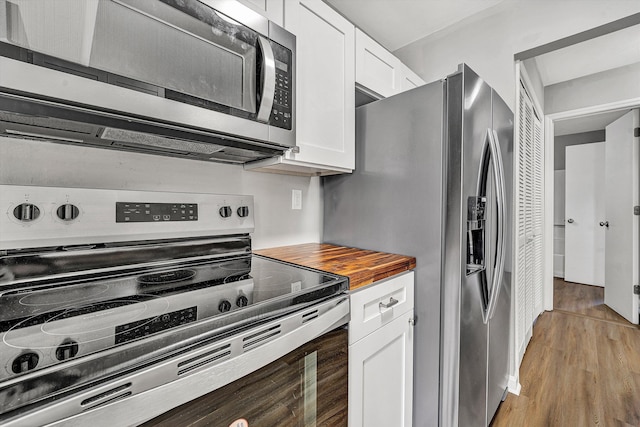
(483,235)
(470,213)
(393,202)
(500,322)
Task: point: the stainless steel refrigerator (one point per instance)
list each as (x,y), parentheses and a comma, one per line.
(433,179)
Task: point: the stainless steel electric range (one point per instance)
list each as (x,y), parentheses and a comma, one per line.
(116,306)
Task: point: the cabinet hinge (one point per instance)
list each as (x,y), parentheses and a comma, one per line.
(636,210)
(636,290)
(636,132)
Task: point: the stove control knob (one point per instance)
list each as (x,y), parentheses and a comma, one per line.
(225,211)
(66,350)
(68,212)
(26,212)
(242,301)
(24,363)
(224,306)
(243,211)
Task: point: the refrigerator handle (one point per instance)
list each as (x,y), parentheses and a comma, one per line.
(498,173)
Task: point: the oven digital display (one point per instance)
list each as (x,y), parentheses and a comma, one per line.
(155,212)
(145,327)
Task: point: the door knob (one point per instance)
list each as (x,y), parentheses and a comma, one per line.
(570,220)
(604,224)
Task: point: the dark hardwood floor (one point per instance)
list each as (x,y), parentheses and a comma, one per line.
(581,368)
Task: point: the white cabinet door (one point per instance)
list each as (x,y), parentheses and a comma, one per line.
(374,306)
(409,79)
(272,9)
(381,376)
(325,92)
(378,71)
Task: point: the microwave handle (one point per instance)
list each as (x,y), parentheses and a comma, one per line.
(268,80)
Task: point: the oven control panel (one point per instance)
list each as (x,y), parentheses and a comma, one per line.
(153,212)
(32,217)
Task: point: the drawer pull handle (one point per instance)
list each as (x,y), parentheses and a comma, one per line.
(391,303)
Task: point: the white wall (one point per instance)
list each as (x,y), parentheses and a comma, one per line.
(530,68)
(596,89)
(40,163)
(488,41)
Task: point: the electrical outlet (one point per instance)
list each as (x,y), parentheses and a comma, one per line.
(296,199)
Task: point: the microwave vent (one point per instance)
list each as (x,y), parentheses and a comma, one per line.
(172,144)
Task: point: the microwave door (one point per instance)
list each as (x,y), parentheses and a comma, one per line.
(181,50)
(191,50)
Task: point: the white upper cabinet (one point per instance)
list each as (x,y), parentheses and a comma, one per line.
(332,58)
(272,9)
(409,79)
(325,92)
(378,72)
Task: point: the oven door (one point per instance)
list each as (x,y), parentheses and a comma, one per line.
(202,53)
(307,387)
(282,351)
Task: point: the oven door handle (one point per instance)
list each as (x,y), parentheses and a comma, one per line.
(268,80)
(142,395)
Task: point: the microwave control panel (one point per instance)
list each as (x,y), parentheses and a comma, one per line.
(281,113)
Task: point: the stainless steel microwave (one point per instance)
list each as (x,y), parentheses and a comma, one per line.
(205,79)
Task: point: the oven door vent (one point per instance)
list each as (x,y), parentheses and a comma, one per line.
(309,316)
(106,397)
(216,355)
(259,338)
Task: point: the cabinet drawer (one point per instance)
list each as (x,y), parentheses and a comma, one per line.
(379,304)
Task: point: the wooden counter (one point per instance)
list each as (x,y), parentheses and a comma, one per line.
(363,267)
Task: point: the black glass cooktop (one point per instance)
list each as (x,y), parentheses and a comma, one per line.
(54,322)
(59,335)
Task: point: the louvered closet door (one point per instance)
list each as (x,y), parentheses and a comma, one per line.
(537,216)
(524,123)
(529,260)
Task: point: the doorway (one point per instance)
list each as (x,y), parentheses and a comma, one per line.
(572,85)
(591,167)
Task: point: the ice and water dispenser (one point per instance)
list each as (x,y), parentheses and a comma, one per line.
(476,234)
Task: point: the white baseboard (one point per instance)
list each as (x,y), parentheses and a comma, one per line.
(514,386)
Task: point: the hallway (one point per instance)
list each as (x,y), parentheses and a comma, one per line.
(581,368)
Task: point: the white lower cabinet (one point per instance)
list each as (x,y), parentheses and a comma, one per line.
(381,362)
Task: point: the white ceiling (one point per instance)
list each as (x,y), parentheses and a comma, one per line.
(586,123)
(396,23)
(602,53)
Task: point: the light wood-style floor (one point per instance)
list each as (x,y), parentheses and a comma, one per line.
(581,368)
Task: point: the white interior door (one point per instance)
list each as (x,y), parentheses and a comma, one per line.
(622,188)
(584,210)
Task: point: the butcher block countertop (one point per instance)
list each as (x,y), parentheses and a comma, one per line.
(363,267)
